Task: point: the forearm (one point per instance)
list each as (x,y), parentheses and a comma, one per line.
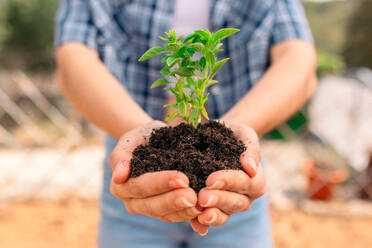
(95,93)
(284,88)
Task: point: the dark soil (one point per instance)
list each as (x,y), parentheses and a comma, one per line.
(196,152)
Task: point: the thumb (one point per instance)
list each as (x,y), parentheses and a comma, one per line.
(121,172)
(249,164)
(122,154)
(250,158)
(120,158)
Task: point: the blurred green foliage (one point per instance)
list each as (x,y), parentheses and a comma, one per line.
(329,63)
(26,32)
(297,123)
(328,20)
(358,47)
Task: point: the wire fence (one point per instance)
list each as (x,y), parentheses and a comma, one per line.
(48,151)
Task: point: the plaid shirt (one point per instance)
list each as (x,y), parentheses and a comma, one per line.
(122,30)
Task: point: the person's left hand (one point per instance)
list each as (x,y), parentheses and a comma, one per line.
(232,191)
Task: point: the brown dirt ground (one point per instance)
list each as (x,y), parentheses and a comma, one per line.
(73,224)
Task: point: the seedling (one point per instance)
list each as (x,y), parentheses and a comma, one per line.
(182,71)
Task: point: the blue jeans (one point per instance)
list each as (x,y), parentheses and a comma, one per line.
(119,229)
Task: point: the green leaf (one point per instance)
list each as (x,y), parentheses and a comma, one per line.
(218,65)
(224,33)
(190,81)
(211,59)
(159,82)
(204,34)
(197,84)
(182,107)
(164,59)
(171,116)
(181,52)
(189,38)
(152,52)
(197,46)
(211,82)
(204,112)
(170,46)
(190,51)
(171,35)
(164,39)
(170,106)
(202,63)
(199,39)
(217,50)
(175,93)
(205,98)
(172,61)
(165,71)
(184,71)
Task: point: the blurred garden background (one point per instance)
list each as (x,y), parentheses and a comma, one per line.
(319,163)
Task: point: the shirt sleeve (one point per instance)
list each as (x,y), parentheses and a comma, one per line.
(290,22)
(74,24)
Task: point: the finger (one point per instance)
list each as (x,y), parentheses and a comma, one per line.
(183,215)
(249,164)
(258,184)
(230,180)
(198,227)
(122,154)
(121,172)
(228,202)
(150,184)
(164,204)
(213,217)
(251,157)
(237,181)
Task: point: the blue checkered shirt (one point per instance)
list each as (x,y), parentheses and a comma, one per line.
(122,30)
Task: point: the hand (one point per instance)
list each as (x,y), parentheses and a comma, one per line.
(232,191)
(165,195)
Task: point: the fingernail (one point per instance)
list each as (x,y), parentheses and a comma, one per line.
(183,202)
(211,201)
(178,183)
(252,163)
(216,185)
(211,219)
(204,233)
(118,171)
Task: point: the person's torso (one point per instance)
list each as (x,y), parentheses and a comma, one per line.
(127,28)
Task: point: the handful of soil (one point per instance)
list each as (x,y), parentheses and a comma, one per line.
(197,152)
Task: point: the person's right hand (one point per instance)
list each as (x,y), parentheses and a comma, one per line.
(165,195)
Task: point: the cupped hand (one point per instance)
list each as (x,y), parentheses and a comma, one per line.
(165,195)
(232,191)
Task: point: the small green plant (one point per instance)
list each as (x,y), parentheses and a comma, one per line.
(182,72)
